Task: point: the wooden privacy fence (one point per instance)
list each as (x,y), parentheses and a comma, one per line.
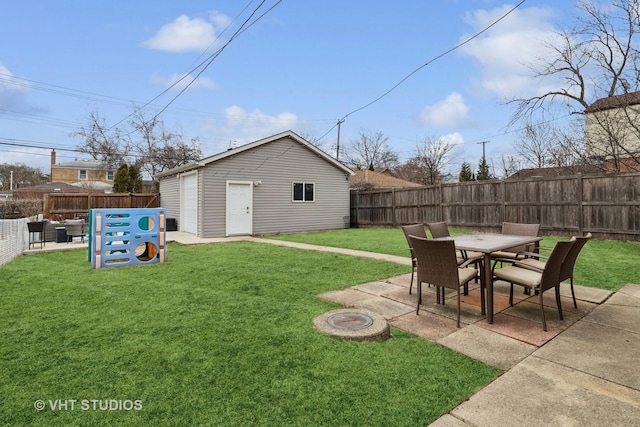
(69,204)
(606,205)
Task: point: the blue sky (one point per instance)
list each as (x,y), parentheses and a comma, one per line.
(303,66)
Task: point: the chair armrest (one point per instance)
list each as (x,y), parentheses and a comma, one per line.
(529,267)
(532,255)
(466,263)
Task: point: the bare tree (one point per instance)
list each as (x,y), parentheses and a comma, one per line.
(369,152)
(596,59)
(20,175)
(570,148)
(108,145)
(159,149)
(509,165)
(432,157)
(536,142)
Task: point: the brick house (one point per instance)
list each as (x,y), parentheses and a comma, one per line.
(87,174)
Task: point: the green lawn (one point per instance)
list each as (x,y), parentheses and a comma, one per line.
(218,335)
(605,264)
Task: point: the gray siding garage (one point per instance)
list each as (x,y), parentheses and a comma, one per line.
(279,184)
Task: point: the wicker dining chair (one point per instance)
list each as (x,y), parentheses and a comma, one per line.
(437,265)
(518,229)
(418,231)
(441,229)
(536,279)
(568,266)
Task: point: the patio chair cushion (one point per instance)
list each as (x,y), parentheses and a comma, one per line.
(522,276)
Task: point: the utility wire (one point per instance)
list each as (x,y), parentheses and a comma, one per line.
(458,46)
(206,63)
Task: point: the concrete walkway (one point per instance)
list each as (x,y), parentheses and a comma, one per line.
(582,372)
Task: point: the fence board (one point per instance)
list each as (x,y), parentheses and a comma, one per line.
(606,205)
(70,204)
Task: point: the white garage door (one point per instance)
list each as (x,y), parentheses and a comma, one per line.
(189,203)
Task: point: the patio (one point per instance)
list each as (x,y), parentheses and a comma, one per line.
(515,333)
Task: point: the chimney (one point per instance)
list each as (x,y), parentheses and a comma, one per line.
(53,162)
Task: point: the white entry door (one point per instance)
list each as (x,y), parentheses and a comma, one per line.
(189,203)
(239,207)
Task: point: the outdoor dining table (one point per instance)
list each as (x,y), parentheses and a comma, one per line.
(488,243)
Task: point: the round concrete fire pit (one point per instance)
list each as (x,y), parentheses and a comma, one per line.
(353,324)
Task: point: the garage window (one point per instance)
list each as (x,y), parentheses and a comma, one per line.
(303,192)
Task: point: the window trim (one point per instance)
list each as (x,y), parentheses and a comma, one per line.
(86,174)
(304,192)
(113,175)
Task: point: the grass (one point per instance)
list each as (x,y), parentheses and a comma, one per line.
(217,335)
(605,264)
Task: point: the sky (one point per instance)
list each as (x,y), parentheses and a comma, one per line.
(302,66)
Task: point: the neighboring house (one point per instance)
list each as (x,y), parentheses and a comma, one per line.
(372,180)
(87,174)
(38,191)
(555,172)
(612,132)
(279,184)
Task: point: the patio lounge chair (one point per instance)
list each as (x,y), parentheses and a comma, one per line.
(75,228)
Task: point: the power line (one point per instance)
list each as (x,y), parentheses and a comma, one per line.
(206,63)
(459,45)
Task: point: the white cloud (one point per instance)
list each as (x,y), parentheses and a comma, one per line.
(185,34)
(450,113)
(182,81)
(503,51)
(455,138)
(240,126)
(13,92)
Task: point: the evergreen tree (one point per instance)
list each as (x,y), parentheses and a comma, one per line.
(483,171)
(135,182)
(121,180)
(466,174)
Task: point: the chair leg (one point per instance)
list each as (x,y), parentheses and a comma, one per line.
(458,307)
(558,302)
(480,266)
(573,294)
(511,295)
(483,309)
(544,322)
(413,270)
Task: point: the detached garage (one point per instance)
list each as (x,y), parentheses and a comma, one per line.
(279,184)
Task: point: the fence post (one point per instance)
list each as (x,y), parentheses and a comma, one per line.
(440,199)
(393,207)
(580,205)
(503,190)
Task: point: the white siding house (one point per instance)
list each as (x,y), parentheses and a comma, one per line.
(279,184)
